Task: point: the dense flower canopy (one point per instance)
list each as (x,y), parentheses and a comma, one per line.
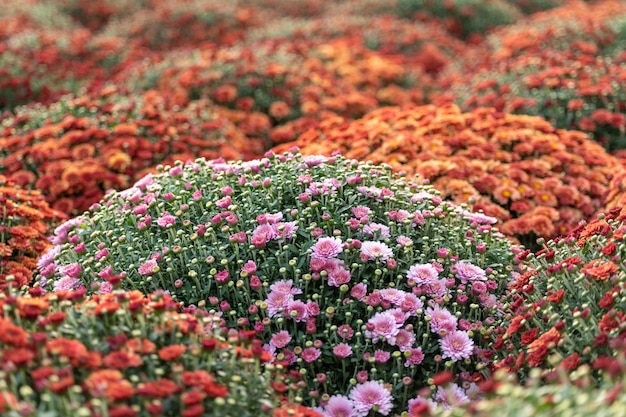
(323,257)
(537,180)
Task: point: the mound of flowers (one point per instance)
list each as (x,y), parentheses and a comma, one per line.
(568,307)
(572,393)
(466,19)
(163,25)
(566,66)
(426,45)
(277,82)
(79,147)
(130,354)
(367,284)
(539,181)
(25,220)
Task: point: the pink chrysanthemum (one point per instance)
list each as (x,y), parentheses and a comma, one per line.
(327,247)
(404,241)
(339,406)
(345,331)
(376,251)
(415,358)
(66,283)
(285,286)
(393,295)
(310,354)
(296,310)
(166,220)
(277,300)
(280,339)
(441,320)
(359,291)
(371,395)
(382,325)
(381,356)
(411,304)
(404,340)
(465,271)
(263,233)
(342,350)
(422,274)
(285,230)
(361,211)
(338,276)
(71,270)
(456,345)
(149,267)
(451,396)
(377,230)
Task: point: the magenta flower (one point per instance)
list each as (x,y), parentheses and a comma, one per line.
(310,354)
(285,286)
(338,276)
(466,271)
(375,251)
(280,339)
(404,340)
(342,350)
(359,291)
(371,395)
(422,274)
(71,270)
(382,325)
(149,267)
(327,247)
(249,267)
(415,358)
(339,406)
(66,283)
(451,396)
(224,202)
(276,301)
(376,230)
(361,211)
(441,320)
(296,310)
(381,356)
(263,233)
(404,240)
(345,332)
(222,276)
(456,345)
(166,220)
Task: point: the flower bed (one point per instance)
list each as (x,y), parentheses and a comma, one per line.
(128,354)
(538,181)
(366,284)
(566,66)
(283,82)
(463,18)
(567,308)
(78,148)
(25,220)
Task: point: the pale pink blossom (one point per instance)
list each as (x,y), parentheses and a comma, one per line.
(466,271)
(342,350)
(456,345)
(371,395)
(327,247)
(376,251)
(280,339)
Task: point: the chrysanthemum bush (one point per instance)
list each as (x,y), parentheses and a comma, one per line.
(162,25)
(273,83)
(25,220)
(568,307)
(130,354)
(76,149)
(367,284)
(575,393)
(426,45)
(464,18)
(539,181)
(567,67)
